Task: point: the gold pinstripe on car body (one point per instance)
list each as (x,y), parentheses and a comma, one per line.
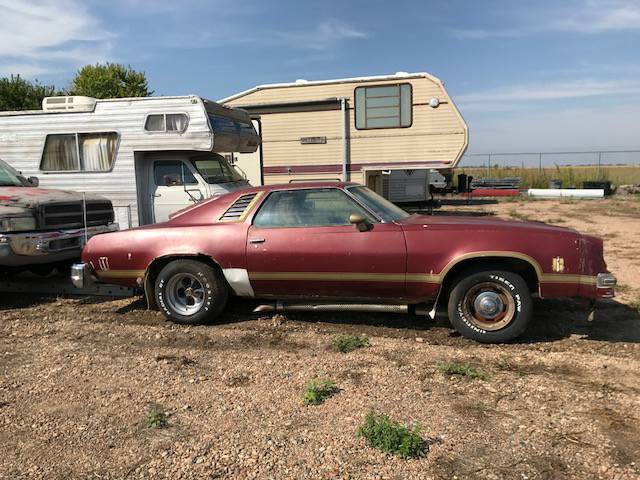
(121,273)
(425,277)
(435,278)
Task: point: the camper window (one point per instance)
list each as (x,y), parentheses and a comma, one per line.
(227,126)
(79,152)
(387,106)
(169,122)
(173,174)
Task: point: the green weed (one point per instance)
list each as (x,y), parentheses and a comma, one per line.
(391,437)
(318,391)
(156,418)
(349,343)
(462,369)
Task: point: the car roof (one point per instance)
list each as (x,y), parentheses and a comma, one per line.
(300,186)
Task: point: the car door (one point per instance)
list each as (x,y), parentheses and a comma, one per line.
(174,186)
(301,243)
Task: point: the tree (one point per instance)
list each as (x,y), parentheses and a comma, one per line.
(111,80)
(16,93)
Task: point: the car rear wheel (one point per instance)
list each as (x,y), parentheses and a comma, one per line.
(490,306)
(190,292)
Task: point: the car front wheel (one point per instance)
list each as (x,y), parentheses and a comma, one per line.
(190,292)
(490,306)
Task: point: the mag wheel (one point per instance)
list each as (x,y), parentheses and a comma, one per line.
(188,291)
(491,306)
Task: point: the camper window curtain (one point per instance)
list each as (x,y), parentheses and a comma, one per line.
(60,154)
(88,152)
(98,150)
(176,122)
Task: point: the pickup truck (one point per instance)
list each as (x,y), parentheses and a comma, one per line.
(342,246)
(41,228)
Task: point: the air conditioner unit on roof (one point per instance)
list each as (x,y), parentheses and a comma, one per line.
(70,104)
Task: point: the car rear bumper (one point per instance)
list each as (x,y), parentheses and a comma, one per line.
(18,249)
(82,275)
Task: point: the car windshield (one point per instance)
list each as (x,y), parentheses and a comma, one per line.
(215,169)
(382,207)
(8,176)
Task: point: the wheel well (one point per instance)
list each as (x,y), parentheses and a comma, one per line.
(472,265)
(156,266)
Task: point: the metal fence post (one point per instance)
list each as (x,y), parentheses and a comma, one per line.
(599,163)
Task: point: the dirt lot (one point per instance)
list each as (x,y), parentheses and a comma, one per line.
(79,376)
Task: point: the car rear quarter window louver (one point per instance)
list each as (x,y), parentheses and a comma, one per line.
(238,211)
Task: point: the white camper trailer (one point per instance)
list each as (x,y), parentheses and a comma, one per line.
(150,156)
(401,134)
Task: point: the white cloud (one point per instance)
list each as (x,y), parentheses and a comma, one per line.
(515,96)
(581,16)
(324,36)
(43,36)
(598,17)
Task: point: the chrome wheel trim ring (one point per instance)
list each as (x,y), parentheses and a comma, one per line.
(185,294)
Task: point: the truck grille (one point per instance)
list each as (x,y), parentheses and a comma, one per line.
(70,214)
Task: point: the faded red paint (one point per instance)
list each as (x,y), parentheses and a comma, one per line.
(424,248)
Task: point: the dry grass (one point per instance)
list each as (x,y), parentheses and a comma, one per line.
(570,176)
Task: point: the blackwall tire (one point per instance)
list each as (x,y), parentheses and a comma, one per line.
(190,292)
(490,306)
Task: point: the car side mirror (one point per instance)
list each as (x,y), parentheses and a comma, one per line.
(360,222)
(34,181)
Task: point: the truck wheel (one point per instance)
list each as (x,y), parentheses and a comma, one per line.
(190,292)
(491,306)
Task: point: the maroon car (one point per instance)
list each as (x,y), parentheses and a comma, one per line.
(342,243)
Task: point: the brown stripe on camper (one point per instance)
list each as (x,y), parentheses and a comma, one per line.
(337,167)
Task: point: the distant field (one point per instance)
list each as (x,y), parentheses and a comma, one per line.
(570,176)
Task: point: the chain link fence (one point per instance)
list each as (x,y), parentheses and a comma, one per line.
(539,169)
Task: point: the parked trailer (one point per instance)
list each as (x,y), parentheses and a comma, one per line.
(150,156)
(388,132)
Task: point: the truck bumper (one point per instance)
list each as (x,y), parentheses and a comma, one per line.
(36,248)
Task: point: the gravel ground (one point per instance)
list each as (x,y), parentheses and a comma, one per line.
(78,378)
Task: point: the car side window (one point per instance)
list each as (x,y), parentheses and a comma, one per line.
(308,208)
(172,174)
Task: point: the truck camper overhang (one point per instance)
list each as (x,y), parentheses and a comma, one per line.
(232,129)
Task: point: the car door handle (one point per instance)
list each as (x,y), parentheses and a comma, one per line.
(256,240)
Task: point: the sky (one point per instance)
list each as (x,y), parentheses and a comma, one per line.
(526,75)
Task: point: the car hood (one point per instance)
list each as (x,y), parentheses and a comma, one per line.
(455,222)
(16,201)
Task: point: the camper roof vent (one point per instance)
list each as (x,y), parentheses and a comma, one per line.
(402,74)
(69,104)
(301,81)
